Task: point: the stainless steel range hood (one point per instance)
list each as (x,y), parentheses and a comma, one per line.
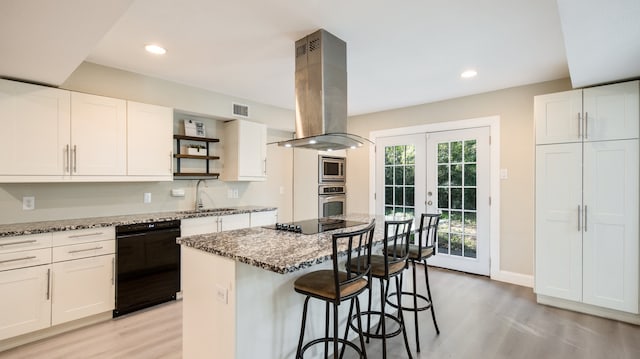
(321,94)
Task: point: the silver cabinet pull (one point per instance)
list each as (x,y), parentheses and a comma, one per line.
(48,283)
(16,243)
(585,218)
(170,162)
(66,159)
(113,270)
(586,127)
(579,218)
(75,159)
(265,167)
(579,125)
(17,259)
(84,250)
(86,235)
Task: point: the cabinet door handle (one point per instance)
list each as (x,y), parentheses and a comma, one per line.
(579,218)
(85,250)
(170,162)
(18,242)
(586,128)
(579,125)
(113,270)
(75,159)
(17,259)
(585,218)
(86,235)
(264,171)
(66,159)
(48,283)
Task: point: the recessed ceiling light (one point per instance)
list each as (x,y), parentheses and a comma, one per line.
(155,49)
(469,74)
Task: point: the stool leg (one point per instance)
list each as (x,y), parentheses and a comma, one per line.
(304,322)
(346,329)
(415,305)
(433,314)
(364,352)
(326,330)
(335,330)
(401,317)
(369,309)
(383,301)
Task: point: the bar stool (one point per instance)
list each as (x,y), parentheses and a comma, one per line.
(334,286)
(427,234)
(385,267)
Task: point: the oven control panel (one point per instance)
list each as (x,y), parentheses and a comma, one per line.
(331,189)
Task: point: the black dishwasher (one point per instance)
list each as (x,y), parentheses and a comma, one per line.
(148,265)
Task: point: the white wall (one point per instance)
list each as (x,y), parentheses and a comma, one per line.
(515,108)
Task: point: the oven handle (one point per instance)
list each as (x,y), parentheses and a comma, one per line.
(326,198)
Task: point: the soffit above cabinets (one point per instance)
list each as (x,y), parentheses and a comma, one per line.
(45,41)
(602,40)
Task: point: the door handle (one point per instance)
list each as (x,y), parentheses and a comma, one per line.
(586,127)
(48,283)
(579,125)
(429,202)
(113,270)
(579,218)
(17,259)
(75,159)
(67,159)
(18,242)
(585,218)
(85,250)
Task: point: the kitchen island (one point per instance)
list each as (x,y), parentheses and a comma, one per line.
(238,296)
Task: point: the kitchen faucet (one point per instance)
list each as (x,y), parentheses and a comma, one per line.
(199,204)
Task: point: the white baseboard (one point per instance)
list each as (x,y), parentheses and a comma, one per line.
(514,278)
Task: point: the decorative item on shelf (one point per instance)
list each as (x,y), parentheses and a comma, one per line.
(196,150)
(194,128)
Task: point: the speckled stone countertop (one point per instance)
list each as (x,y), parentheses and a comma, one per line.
(18,229)
(277,251)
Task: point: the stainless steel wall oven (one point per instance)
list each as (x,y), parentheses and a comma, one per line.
(332,200)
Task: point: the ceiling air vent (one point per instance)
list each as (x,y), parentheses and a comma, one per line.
(240,110)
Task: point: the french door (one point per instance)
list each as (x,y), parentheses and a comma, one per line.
(441,172)
(458,183)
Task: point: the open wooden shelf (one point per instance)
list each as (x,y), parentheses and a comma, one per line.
(180,156)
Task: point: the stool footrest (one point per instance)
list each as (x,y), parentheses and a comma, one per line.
(369,334)
(412,309)
(330,341)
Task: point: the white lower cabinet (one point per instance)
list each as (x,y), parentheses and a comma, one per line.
(82,287)
(266,218)
(213,224)
(53,278)
(26,304)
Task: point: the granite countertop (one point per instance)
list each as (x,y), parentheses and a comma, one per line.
(18,229)
(277,251)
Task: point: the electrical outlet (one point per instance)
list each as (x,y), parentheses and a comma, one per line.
(147,197)
(235,193)
(28,203)
(222,294)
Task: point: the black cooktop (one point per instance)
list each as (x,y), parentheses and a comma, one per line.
(313,226)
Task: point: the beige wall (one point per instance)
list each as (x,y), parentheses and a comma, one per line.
(73,200)
(515,108)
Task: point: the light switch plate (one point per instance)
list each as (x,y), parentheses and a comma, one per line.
(147,197)
(222,294)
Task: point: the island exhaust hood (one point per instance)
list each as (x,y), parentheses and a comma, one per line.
(321,94)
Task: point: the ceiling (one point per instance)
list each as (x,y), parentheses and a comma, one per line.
(398,55)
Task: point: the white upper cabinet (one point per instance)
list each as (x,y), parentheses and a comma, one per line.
(558,117)
(245,151)
(598,113)
(149,141)
(35,133)
(98,135)
(53,135)
(611,112)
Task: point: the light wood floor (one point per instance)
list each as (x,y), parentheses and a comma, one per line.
(478,318)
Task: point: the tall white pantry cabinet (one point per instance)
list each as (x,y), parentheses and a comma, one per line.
(587,201)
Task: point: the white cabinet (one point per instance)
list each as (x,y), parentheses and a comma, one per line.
(26,304)
(587,201)
(245,151)
(149,141)
(98,135)
(599,113)
(213,224)
(82,287)
(35,133)
(264,218)
(53,278)
(53,135)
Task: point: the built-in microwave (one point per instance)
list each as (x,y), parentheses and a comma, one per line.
(331,169)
